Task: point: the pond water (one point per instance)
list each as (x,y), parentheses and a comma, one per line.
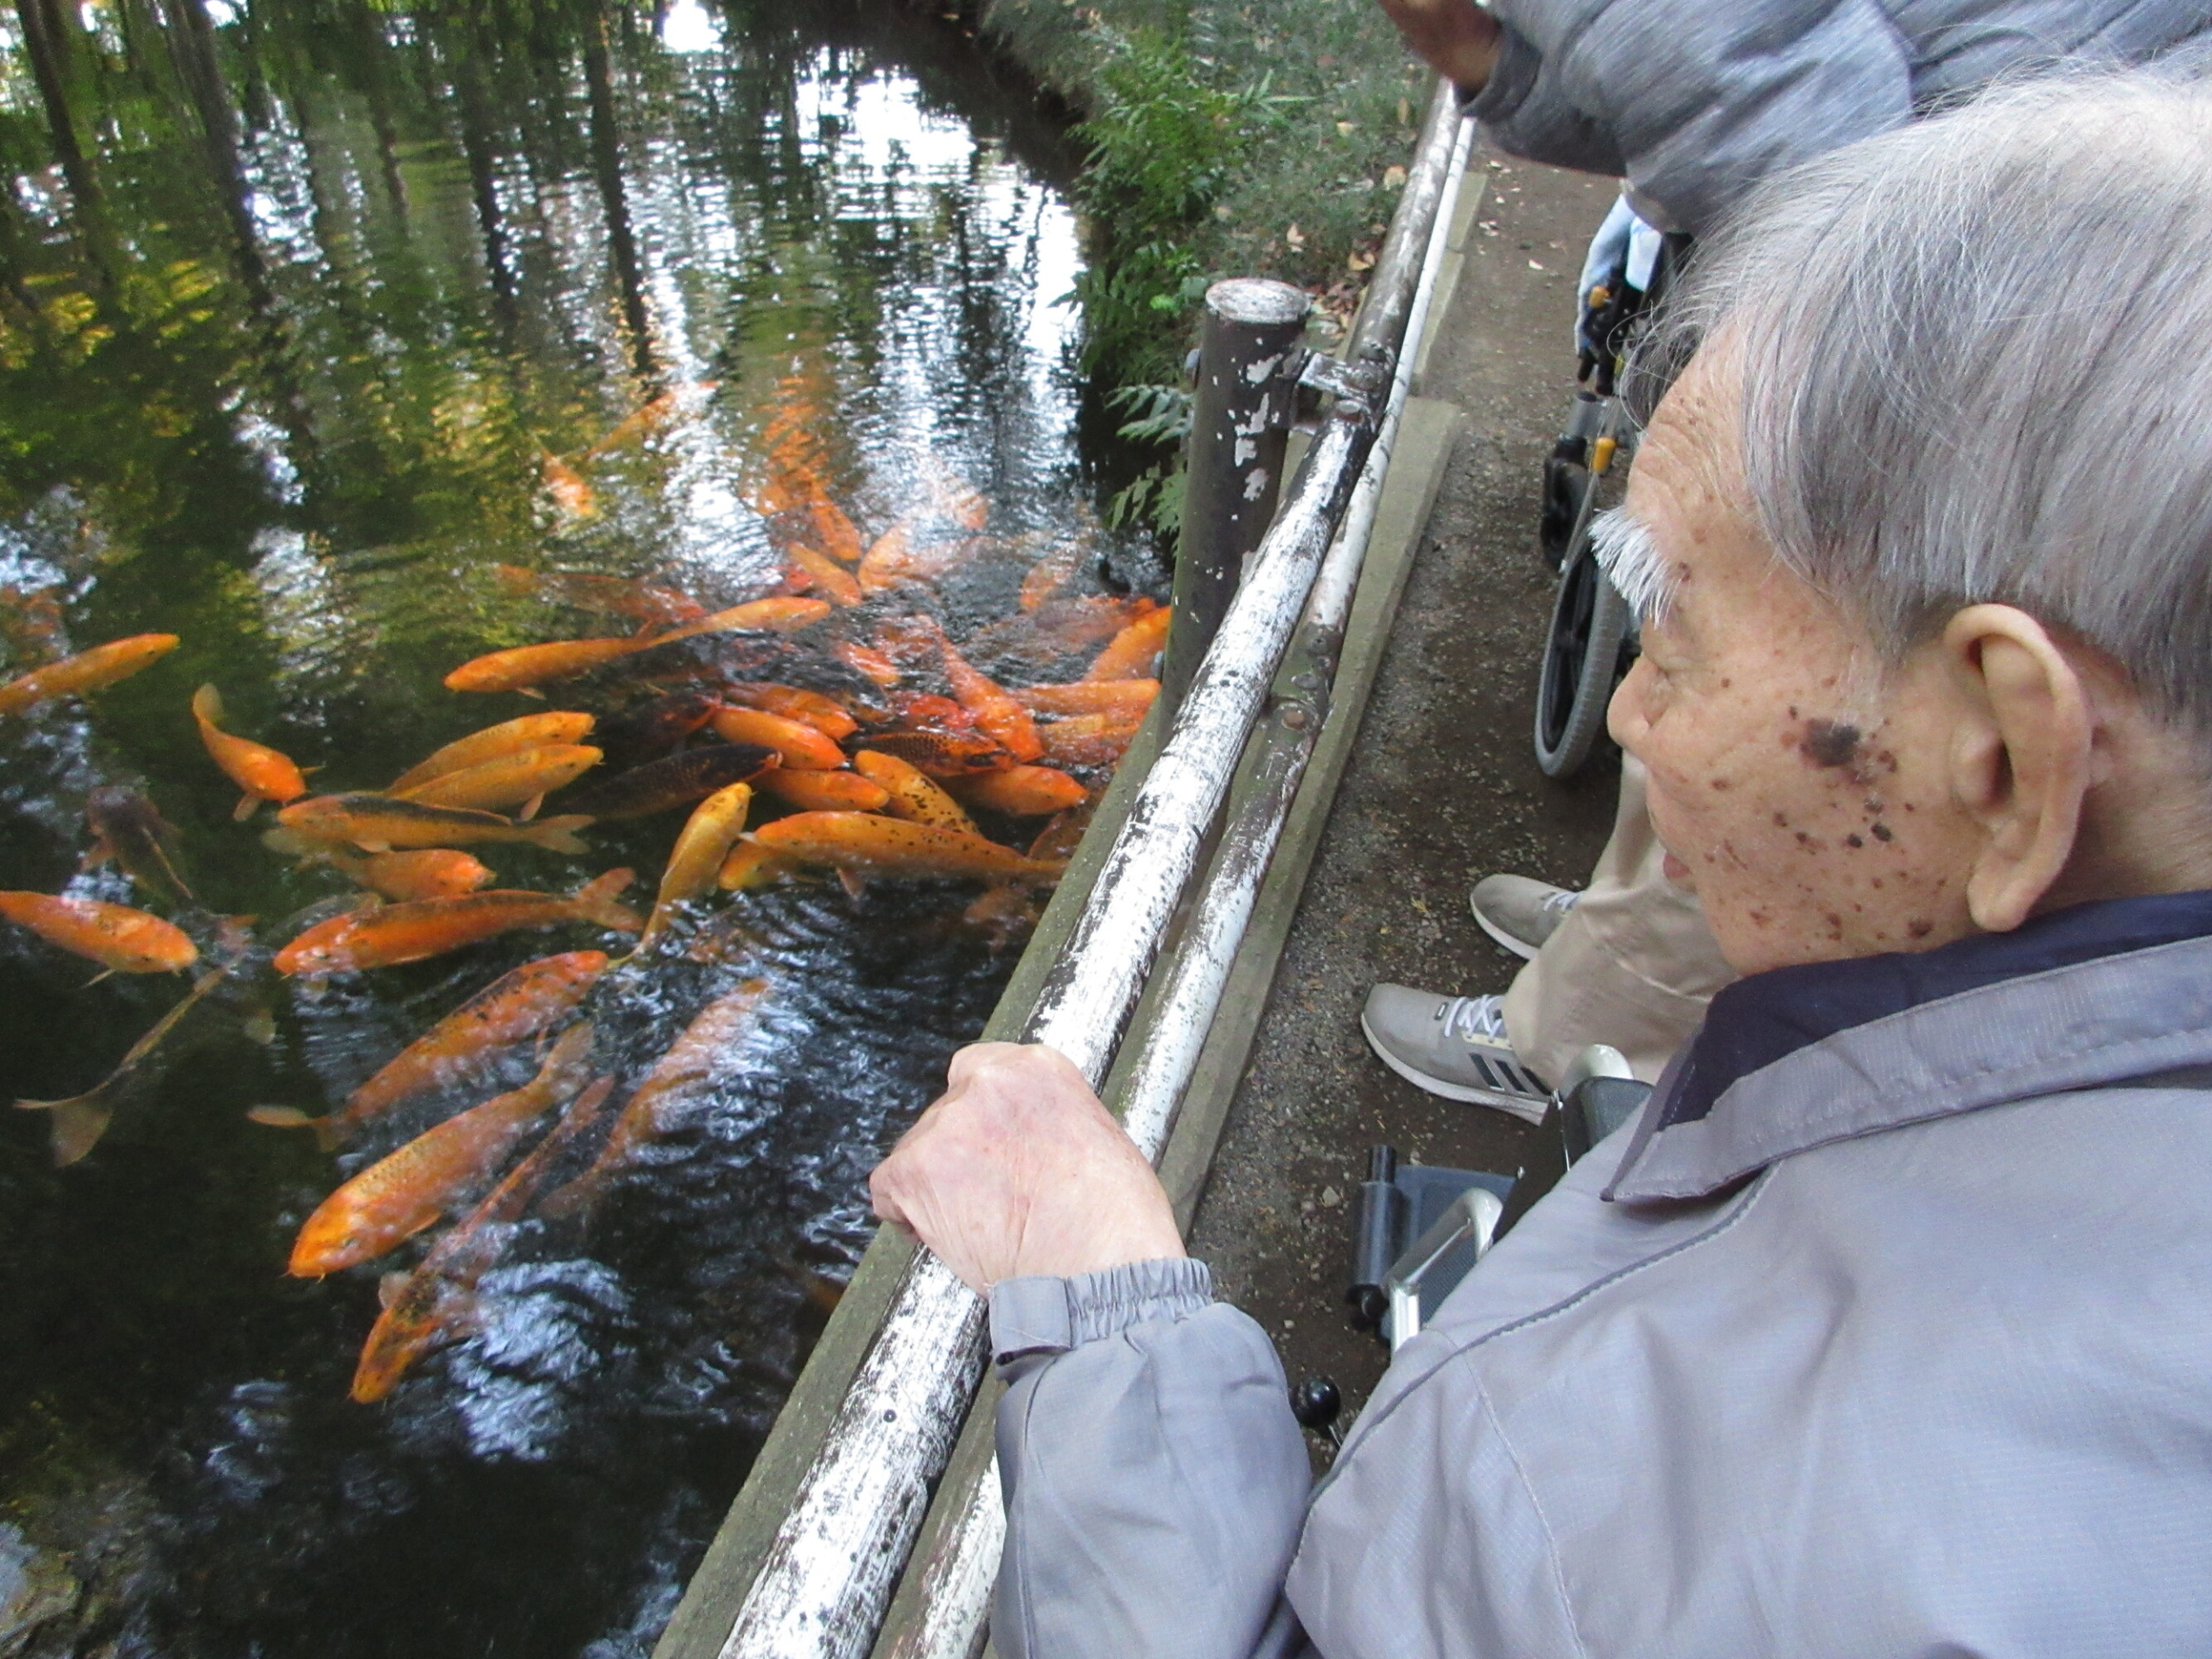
(320,322)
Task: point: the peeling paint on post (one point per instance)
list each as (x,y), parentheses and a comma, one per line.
(1240,422)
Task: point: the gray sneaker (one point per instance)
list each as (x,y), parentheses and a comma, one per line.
(1454,1046)
(1518,912)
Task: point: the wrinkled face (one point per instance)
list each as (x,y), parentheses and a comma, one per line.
(1799,788)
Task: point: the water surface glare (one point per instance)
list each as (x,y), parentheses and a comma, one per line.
(320,328)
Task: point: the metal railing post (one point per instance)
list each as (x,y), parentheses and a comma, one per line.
(1240,422)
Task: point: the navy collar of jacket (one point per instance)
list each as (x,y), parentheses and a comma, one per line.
(1799,1057)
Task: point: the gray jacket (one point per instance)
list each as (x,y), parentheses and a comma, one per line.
(1696,100)
(1886,1331)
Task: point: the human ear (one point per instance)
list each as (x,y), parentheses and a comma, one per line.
(2021,757)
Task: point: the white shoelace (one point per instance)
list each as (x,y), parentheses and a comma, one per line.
(1476,1019)
(1560,898)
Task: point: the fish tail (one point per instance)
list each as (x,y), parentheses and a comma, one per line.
(76,1127)
(329,1132)
(595,901)
(559,835)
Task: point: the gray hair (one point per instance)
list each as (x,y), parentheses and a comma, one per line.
(1977,366)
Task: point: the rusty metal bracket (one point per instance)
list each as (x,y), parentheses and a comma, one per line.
(1363,382)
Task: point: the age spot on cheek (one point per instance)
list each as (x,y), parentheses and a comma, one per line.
(1829,743)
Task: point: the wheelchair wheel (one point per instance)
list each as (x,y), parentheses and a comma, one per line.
(1582,657)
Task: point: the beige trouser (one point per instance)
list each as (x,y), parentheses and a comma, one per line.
(1632,965)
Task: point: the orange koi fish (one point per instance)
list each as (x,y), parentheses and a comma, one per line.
(693,1063)
(509,737)
(914,795)
(1059,838)
(638,425)
(698,859)
(894,558)
(815,789)
(399,1195)
(265,774)
(896,847)
(833,529)
(1123,699)
(377,824)
(779,614)
(1130,654)
(431,873)
(1089,739)
(1063,625)
(751,865)
(866,661)
(964,503)
(571,494)
(525,668)
(1051,573)
(436,1303)
(420,928)
(796,742)
(88,671)
(130,830)
(826,714)
(523,778)
(587,590)
(821,573)
(121,939)
(674,780)
(512,1009)
(942,753)
(998,714)
(434,873)
(1023,791)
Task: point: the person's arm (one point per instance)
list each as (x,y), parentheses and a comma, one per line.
(1155,1481)
(1693,102)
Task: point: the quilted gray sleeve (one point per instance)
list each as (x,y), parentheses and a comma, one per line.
(1154,1479)
(1693,102)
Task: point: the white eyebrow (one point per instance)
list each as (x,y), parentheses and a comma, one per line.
(1629,555)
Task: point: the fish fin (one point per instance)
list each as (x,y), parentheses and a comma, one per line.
(559,835)
(374,846)
(260,1027)
(595,901)
(95,856)
(391,1287)
(529,808)
(309,771)
(329,1132)
(247,806)
(855,883)
(104,973)
(577,1197)
(77,1126)
(207,705)
(531,691)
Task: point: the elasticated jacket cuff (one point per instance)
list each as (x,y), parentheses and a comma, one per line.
(1038,1316)
(1511,79)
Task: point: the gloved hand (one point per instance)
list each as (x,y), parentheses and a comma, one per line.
(1625,249)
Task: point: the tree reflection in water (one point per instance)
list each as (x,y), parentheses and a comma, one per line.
(296,298)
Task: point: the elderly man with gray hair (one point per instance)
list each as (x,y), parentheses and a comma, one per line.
(1886,1328)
